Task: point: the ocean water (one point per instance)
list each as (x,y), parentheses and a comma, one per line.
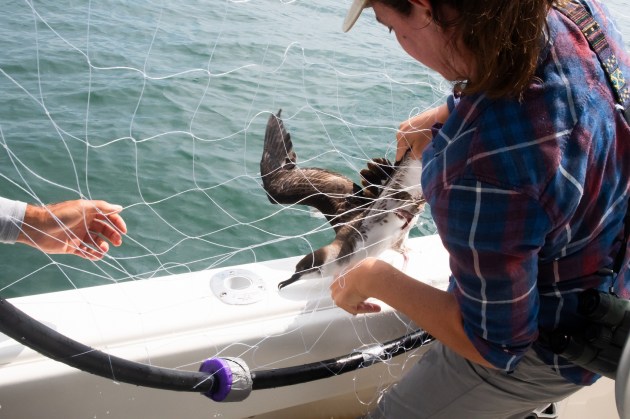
(160,106)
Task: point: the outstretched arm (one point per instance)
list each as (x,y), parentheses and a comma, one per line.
(81,227)
(434,310)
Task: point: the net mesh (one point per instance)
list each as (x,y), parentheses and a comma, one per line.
(161,106)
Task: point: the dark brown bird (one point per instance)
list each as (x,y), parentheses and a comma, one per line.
(367,219)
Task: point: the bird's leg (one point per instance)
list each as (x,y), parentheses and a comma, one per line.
(404,251)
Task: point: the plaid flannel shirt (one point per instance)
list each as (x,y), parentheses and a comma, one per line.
(529,196)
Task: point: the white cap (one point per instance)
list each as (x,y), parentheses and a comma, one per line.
(354,13)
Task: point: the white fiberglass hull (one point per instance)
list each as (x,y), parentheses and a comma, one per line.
(178,321)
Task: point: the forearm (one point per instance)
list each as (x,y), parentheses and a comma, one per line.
(439,114)
(434,310)
(33,217)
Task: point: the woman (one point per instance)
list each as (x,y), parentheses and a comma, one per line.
(527,178)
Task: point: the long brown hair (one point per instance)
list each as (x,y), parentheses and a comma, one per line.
(504,36)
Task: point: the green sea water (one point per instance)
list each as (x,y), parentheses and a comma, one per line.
(160,106)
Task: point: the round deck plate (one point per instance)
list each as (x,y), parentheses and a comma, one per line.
(237,286)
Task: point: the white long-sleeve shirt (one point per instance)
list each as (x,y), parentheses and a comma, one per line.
(11,217)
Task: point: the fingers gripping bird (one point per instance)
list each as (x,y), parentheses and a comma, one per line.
(367,219)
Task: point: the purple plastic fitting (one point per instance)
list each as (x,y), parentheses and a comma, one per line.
(222,374)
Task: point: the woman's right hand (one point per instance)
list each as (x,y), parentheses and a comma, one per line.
(415,133)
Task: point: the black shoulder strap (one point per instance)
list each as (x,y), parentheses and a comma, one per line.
(581,16)
(621,256)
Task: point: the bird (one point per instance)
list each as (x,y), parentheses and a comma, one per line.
(366,219)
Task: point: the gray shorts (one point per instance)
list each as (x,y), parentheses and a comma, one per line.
(444,385)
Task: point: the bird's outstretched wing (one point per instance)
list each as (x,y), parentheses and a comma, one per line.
(333,194)
(343,202)
(378,173)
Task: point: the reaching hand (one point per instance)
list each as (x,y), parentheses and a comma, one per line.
(78,227)
(415,133)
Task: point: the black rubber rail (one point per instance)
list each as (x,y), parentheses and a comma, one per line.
(52,344)
(324,369)
(217,385)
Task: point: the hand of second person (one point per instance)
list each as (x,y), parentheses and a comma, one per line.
(81,227)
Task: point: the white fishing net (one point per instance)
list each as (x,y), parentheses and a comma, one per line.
(161,106)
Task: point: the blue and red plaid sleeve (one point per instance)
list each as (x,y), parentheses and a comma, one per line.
(494,264)
(529,196)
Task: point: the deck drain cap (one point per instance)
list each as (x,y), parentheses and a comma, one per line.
(237,286)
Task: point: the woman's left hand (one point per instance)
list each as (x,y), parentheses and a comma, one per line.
(415,133)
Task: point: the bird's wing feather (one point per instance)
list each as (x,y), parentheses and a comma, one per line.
(286,183)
